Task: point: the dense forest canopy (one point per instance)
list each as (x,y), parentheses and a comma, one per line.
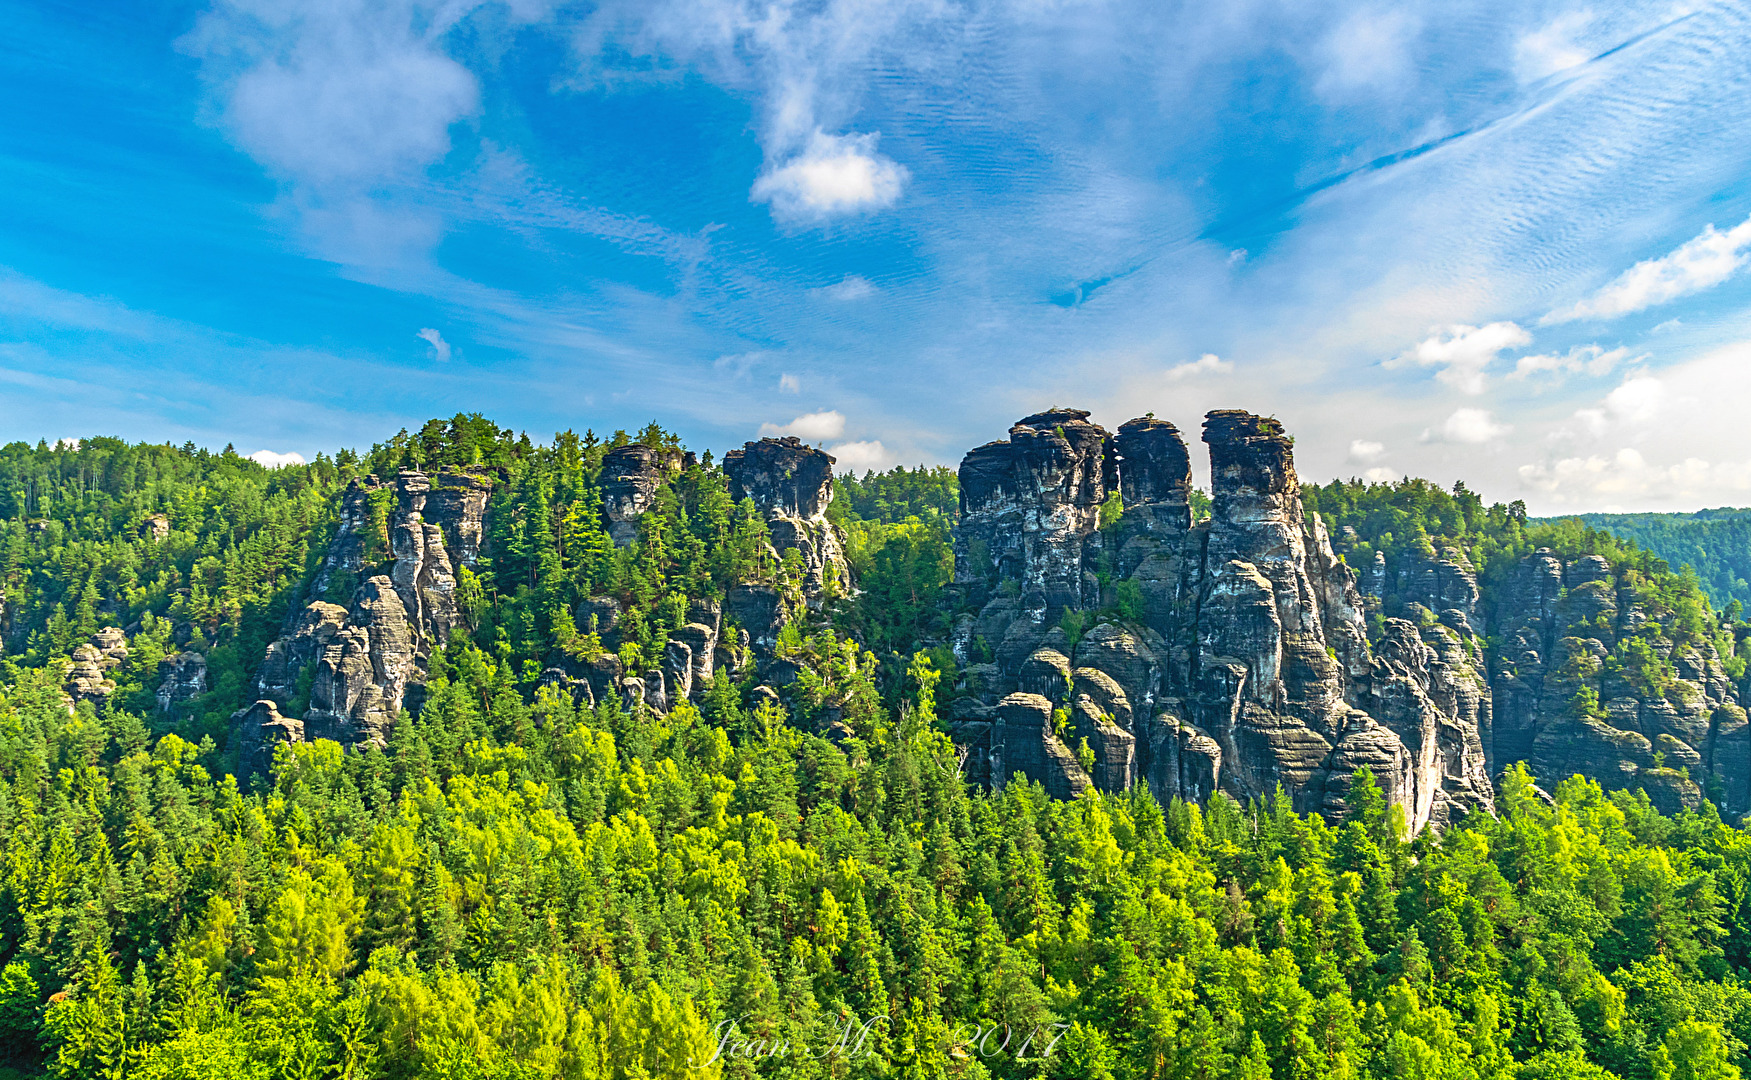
(1714,543)
(521,884)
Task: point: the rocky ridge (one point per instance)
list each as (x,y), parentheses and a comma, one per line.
(1243,661)
(344,671)
(350,669)
(1559,696)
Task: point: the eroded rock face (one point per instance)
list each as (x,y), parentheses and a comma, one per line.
(1030,511)
(630,478)
(88,674)
(354,668)
(259,728)
(791,484)
(1242,661)
(1566,701)
(1024,742)
(181,677)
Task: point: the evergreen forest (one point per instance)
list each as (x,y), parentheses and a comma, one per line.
(519,884)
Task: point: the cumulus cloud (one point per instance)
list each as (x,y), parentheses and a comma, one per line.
(809,427)
(1637,400)
(1590,359)
(834,174)
(1363,450)
(273,459)
(789,384)
(1464,352)
(440,347)
(806,63)
(1208,364)
(861,456)
(854,287)
(1702,263)
(1469,427)
(1380,474)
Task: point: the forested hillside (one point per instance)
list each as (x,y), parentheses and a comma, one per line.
(1714,543)
(781,872)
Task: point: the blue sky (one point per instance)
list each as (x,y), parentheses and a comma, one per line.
(1498,242)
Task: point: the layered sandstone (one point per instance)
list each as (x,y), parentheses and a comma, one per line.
(1240,660)
(350,669)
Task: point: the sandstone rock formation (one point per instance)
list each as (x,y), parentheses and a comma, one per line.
(1567,701)
(630,478)
(88,675)
(1242,661)
(351,669)
(1030,510)
(181,677)
(792,484)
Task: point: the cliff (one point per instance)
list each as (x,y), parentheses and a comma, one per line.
(1238,659)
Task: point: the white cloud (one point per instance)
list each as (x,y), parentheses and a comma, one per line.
(1552,47)
(67,444)
(1591,359)
(1208,364)
(1628,474)
(339,93)
(1380,474)
(273,459)
(861,456)
(810,427)
(1637,400)
(854,287)
(440,347)
(1363,450)
(834,174)
(1468,426)
(1370,50)
(1701,263)
(1464,352)
(789,384)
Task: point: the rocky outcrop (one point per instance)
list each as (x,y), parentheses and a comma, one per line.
(1024,742)
(182,677)
(352,669)
(629,481)
(258,729)
(791,485)
(88,674)
(1239,660)
(1030,511)
(1585,682)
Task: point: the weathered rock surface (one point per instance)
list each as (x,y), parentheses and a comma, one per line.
(630,478)
(1024,742)
(1030,511)
(792,484)
(1242,661)
(88,672)
(259,728)
(354,668)
(181,677)
(1566,701)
